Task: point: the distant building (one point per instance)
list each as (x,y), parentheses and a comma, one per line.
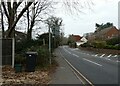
(89,36)
(107,33)
(82,41)
(76,38)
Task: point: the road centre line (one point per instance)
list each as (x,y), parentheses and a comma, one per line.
(92,62)
(75,55)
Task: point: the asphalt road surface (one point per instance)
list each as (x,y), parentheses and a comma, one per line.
(97,69)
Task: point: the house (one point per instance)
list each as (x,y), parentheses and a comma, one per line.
(107,33)
(89,36)
(82,41)
(76,38)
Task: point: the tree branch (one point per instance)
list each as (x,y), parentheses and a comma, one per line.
(19,16)
(5,10)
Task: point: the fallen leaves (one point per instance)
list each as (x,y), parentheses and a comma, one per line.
(10,78)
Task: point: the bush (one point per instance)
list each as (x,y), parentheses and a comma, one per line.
(99,44)
(86,45)
(117,47)
(43,56)
(113,41)
(22,46)
(19,59)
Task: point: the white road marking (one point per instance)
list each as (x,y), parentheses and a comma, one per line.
(115,56)
(77,71)
(67,51)
(117,61)
(102,55)
(92,62)
(110,55)
(75,55)
(87,54)
(75,49)
(96,55)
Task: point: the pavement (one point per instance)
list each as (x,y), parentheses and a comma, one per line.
(64,74)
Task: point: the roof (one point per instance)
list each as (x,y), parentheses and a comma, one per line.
(105,30)
(76,37)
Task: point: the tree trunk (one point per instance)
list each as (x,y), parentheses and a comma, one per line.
(2,23)
(29,33)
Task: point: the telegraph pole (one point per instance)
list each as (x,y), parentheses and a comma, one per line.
(49,45)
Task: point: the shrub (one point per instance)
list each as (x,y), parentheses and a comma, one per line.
(43,56)
(19,59)
(117,47)
(86,45)
(113,41)
(99,44)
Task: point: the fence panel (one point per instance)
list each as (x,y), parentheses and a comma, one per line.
(7,51)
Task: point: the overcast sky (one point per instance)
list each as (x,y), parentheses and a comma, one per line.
(102,11)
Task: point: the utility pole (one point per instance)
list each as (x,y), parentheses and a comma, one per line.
(49,44)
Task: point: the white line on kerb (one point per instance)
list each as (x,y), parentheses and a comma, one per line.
(92,62)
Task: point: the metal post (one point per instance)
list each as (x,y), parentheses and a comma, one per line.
(13,52)
(49,45)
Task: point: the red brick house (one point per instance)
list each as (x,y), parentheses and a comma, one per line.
(76,38)
(107,33)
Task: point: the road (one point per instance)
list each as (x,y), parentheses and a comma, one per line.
(97,69)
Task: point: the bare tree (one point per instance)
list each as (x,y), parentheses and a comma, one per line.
(54,23)
(76,6)
(10,10)
(34,14)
